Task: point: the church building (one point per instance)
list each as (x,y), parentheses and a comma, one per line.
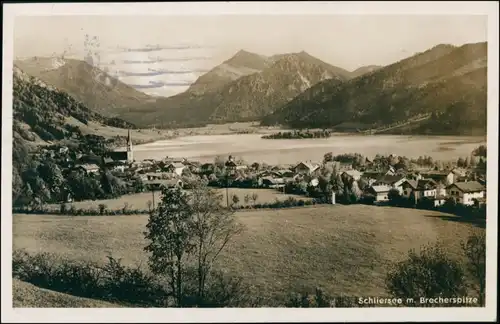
(126,156)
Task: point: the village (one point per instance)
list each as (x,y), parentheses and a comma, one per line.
(346,178)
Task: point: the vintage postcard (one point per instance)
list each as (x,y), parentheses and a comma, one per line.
(236,162)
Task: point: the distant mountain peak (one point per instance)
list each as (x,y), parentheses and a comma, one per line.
(447,80)
(248,59)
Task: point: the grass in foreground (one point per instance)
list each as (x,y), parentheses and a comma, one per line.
(26,295)
(344,249)
(140,200)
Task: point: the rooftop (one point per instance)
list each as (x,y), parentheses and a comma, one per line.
(469,186)
(390,178)
(381,188)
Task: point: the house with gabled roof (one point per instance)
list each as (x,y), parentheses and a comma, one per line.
(380,193)
(466,192)
(371,176)
(353,174)
(444,177)
(88,168)
(175,167)
(305,168)
(158,184)
(393,181)
(418,189)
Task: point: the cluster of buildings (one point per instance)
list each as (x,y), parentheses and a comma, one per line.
(434,185)
(431,184)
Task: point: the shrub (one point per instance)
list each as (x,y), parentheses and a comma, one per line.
(430,273)
(102,209)
(305,300)
(113,282)
(132,285)
(63,208)
(475,251)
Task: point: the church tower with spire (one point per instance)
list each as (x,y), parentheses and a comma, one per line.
(130,151)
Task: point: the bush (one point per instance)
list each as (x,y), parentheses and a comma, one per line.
(475,251)
(113,282)
(63,208)
(430,273)
(223,290)
(305,300)
(102,209)
(132,285)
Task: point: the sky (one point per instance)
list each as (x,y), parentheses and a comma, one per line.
(162,55)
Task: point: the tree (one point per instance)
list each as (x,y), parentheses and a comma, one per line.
(475,250)
(212,228)
(246,199)
(466,162)
(480,151)
(356,192)
(337,184)
(328,157)
(235,199)
(394,197)
(219,162)
(188,229)
(52,176)
(431,274)
(472,161)
(325,187)
(17,184)
(254,197)
(169,234)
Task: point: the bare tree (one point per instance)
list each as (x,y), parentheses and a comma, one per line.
(254,197)
(213,227)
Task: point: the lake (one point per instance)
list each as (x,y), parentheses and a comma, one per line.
(252,148)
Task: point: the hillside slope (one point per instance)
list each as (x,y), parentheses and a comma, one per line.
(446,83)
(93,87)
(364,70)
(41,111)
(26,295)
(248,97)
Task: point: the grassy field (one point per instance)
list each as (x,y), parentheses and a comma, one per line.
(343,249)
(140,200)
(27,295)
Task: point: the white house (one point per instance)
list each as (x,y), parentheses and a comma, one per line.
(157,184)
(392,181)
(380,192)
(352,174)
(175,167)
(466,192)
(305,168)
(88,168)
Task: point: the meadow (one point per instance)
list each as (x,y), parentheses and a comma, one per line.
(346,250)
(27,295)
(140,200)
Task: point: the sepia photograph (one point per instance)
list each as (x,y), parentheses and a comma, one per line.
(276,157)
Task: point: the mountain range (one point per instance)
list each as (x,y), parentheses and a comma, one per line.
(42,112)
(446,84)
(95,88)
(439,91)
(246,87)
